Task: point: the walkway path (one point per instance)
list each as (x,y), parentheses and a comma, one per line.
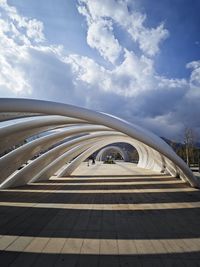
(129,218)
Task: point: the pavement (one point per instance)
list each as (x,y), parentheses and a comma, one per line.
(103,215)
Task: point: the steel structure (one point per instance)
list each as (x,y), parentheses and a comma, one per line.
(102,154)
(60,133)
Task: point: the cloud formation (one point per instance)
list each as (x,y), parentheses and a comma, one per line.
(97,11)
(127,85)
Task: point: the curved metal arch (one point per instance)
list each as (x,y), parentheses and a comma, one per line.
(44,162)
(127,139)
(55,166)
(67,171)
(76,152)
(16,133)
(132,130)
(101,153)
(21,155)
(6,116)
(83,156)
(31,170)
(157,164)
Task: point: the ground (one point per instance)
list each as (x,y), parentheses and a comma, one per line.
(104,215)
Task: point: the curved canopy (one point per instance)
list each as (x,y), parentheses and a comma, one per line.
(102,154)
(60,133)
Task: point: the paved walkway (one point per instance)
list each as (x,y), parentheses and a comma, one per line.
(132,218)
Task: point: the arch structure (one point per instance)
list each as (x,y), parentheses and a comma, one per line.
(102,154)
(61,136)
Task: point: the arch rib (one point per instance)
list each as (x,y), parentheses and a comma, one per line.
(132,130)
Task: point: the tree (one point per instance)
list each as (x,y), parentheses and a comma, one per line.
(189,140)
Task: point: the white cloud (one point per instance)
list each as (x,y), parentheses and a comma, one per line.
(30,67)
(100,33)
(194,79)
(164,82)
(133,77)
(32,28)
(17,35)
(100,36)
(131,88)
(35,30)
(12,77)
(148,39)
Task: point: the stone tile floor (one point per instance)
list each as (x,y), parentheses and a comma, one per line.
(102,216)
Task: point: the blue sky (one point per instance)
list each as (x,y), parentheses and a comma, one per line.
(136,59)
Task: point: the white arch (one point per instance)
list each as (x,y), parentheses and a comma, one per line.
(21,155)
(47,172)
(83,156)
(33,169)
(104,150)
(102,141)
(17,132)
(67,171)
(132,130)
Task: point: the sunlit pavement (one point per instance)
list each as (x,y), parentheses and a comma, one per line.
(104,215)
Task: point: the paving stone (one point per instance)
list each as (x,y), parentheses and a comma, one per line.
(94,219)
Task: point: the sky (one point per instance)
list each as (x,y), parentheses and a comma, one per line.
(136,59)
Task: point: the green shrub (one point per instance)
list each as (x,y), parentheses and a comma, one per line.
(109,161)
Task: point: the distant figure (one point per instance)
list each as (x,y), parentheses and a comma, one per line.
(93,161)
